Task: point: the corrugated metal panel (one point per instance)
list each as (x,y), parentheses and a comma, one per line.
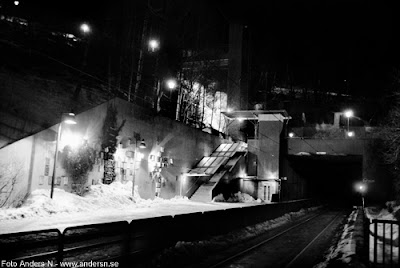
(209,165)
(228,150)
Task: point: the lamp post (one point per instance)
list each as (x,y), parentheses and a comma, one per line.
(361,188)
(154,45)
(85,28)
(141,145)
(348,114)
(68,118)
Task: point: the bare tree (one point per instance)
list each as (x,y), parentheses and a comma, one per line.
(199,84)
(9,179)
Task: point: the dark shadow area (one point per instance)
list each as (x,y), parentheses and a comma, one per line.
(331,179)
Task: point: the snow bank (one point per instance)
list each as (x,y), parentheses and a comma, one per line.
(238,197)
(99,197)
(183,253)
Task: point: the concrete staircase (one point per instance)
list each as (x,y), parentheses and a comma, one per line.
(231,153)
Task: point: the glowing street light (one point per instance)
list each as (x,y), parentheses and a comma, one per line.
(348,114)
(171,83)
(154,45)
(68,118)
(85,28)
(362,189)
(291,135)
(350,134)
(16,3)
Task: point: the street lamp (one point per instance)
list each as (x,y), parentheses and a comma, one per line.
(67,118)
(85,28)
(348,114)
(350,134)
(154,45)
(361,188)
(171,83)
(141,145)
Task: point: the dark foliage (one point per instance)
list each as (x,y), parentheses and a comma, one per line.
(78,163)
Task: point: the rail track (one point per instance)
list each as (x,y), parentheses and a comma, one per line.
(142,241)
(301,244)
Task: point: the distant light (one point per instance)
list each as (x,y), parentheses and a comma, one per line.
(171,83)
(85,28)
(350,133)
(291,135)
(154,44)
(240,119)
(348,113)
(229,110)
(361,187)
(16,3)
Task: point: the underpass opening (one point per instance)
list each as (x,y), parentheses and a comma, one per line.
(330,178)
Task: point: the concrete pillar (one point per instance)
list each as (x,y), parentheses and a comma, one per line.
(336,119)
(269,132)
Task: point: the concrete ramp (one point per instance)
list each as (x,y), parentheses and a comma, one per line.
(215,167)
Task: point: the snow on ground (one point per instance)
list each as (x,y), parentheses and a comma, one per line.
(184,252)
(238,197)
(384,231)
(344,249)
(102,203)
(114,202)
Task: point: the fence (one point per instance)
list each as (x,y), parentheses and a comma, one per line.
(136,240)
(383,240)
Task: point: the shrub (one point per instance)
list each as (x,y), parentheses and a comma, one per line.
(78,163)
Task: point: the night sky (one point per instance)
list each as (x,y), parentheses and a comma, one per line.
(347,46)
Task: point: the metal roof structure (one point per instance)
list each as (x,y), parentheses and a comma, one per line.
(260,115)
(210,164)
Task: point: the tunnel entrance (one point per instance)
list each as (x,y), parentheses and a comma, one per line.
(330,178)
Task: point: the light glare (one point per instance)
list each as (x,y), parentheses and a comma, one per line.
(154,44)
(71,139)
(171,83)
(85,28)
(348,113)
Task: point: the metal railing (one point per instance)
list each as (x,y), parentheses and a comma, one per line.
(135,241)
(383,241)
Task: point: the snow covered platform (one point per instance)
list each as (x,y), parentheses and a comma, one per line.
(102,204)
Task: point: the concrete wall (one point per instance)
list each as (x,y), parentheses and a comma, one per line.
(185,145)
